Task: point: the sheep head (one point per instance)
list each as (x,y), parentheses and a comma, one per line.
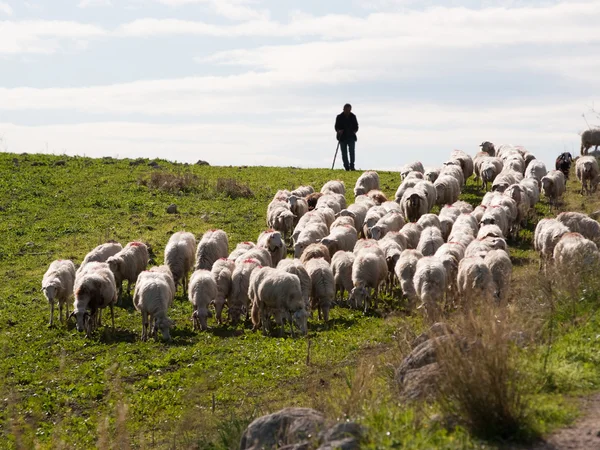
(49,291)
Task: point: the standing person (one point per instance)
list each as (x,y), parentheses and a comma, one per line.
(346,127)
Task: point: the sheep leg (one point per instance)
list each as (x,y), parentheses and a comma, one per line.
(144,326)
(60,309)
(51,314)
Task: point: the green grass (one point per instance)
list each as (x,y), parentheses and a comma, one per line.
(61,390)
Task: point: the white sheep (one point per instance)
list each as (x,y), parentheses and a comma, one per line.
(342,221)
(391,221)
(213,245)
(412,233)
(519,194)
(431,239)
(57,284)
(295,267)
(453,171)
(553,186)
(414,174)
(496,215)
(238,301)
(428,189)
(532,187)
(490,168)
(101,253)
(303,191)
(404,186)
(365,200)
(342,238)
(536,169)
(95,289)
(273,242)
(280,217)
(431,174)
(152,297)
(327,215)
(298,207)
(480,247)
(581,223)
(474,280)
(128,264)
(369,270)
(202,292)
(335,187)
(179,256)
(430,282)
(367,181)
(341,266)
(416,166)
(505,179)
(414,204)
(547,234)
(311,234)
(316,250)
(465,222)
(500,267)
(323,286)
(447,189)
(166,273)
(358,212)
(466,162)
(575,255)
(222,271)
(391,251)
(429,220)
(240,249)
(373,215)
(489,230)
(310,217)
(588,173)
(262,255)
(336,202)
(404,270)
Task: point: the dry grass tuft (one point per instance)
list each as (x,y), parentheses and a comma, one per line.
(231,188)
(174,182)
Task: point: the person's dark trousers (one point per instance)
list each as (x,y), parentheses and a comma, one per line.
(346,146)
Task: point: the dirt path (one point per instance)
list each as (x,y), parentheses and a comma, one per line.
(584,434)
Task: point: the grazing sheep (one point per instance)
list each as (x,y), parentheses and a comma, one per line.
(222,271)
(563,163)
(152,297)
(298,207)
(453,171)
(412,233)
(404,270)
(479,212)
(392,221)
(262,255)
(447,189)
(368,245)
(213,245)
(101,254)
(480,247)
(466,162)
(465,222)
(431,239)
(95,289)
(295,267)
(336,202)
(273,242)
(342,221)
(179,256)
(313,216)
(280,218)
(323,286)
(404,186)
(128,264)
(279,294)
(414,174)
(536,169)
(489,169)
(547,234)
(238,301)
(312,200)
(416,166)
(414,204)
(430,282)
(501,269)
(505,179)
(365,200)
(489,230)
(201,293)
(431,174)
(580,223)
(515,163)
(532,187)
(368,272)
(167,275)
(496,215)
(341,266)
(518,193)
(316,250)
(450,255)
(462,236)
(428,189)
(327,215)
(358,212)
(240,249)
(589,139)
(429,220)
(377,196)
(553,186)
(303,191)
(311,234)
(391,252)
(334,187)
(488,147)
(342,238)
(57,284)
(474,280)
(373,215)
(587,171)
(366,182)
(574,255)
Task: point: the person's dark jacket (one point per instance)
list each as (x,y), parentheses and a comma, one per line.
(348,124)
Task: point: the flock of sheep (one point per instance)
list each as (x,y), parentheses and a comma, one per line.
(447,259)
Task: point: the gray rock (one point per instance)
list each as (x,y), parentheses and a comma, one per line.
(421,383)
(172,209)
(344,436)
(290,426)
(437,329)
(153,164)
(202,163)
(342,444)
(137,162)
(60,163)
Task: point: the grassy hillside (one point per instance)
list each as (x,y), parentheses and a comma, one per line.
(61,390)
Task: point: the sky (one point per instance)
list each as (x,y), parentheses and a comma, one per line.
(259,82)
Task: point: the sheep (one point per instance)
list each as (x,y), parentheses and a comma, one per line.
(501,269)
(313,233)
(580,223)
(505,179)
(589,139)
(563,163)
(414,204)
(128,263)
(377,196)
(298,207)
(179,256)
(480,247)
(358,212)
(95,289)
(327,215)
(273,242)
(430,240)
(281,195)
(453,171)
(368,272)
(574,255)
(477,162)
(365,200)
(429,220)
(553,186)
(450,255)
(428,189)
(262,255)
(371,219)
(509,205)
(391,252)
(479,212)
(416,166)
(312,200)
(430,282)
(101,254)
(404,186)
(313,216)
(447,189)
(488,147)
(323,286)
(474,280)
(280,218)
(202,291)
(57,284)
(367,181)
(395,236)
(431,174)
(295,267)
(334,187)
(240,249)
(515,163)
(222,271)
(489,230)
(341,266)
(368,245)
(343,221)
(303,191)
(412,233)
(587,171)
(466,223)
(316,250)
(405,271)
(466,163)
(414,174)
(532,188)
(152,297)
(391,206)
(490,168)
(213,245)
(518,193)
(547,234)
(342,238)
(392,221)
(167,275)
(279,294)
(238,299)
(462,236)
(448,215)
(496,215)
(536,170)
(336,202)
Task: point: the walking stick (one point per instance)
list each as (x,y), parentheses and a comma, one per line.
(335,156)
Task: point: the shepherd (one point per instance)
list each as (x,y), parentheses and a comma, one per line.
(346,127)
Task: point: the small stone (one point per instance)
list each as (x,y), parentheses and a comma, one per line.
(202,163)
(172,209)
(60,163)
(153,164)
(150,214)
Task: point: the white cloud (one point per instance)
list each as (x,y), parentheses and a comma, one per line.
(230,9)
(93,3)
(6,9)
